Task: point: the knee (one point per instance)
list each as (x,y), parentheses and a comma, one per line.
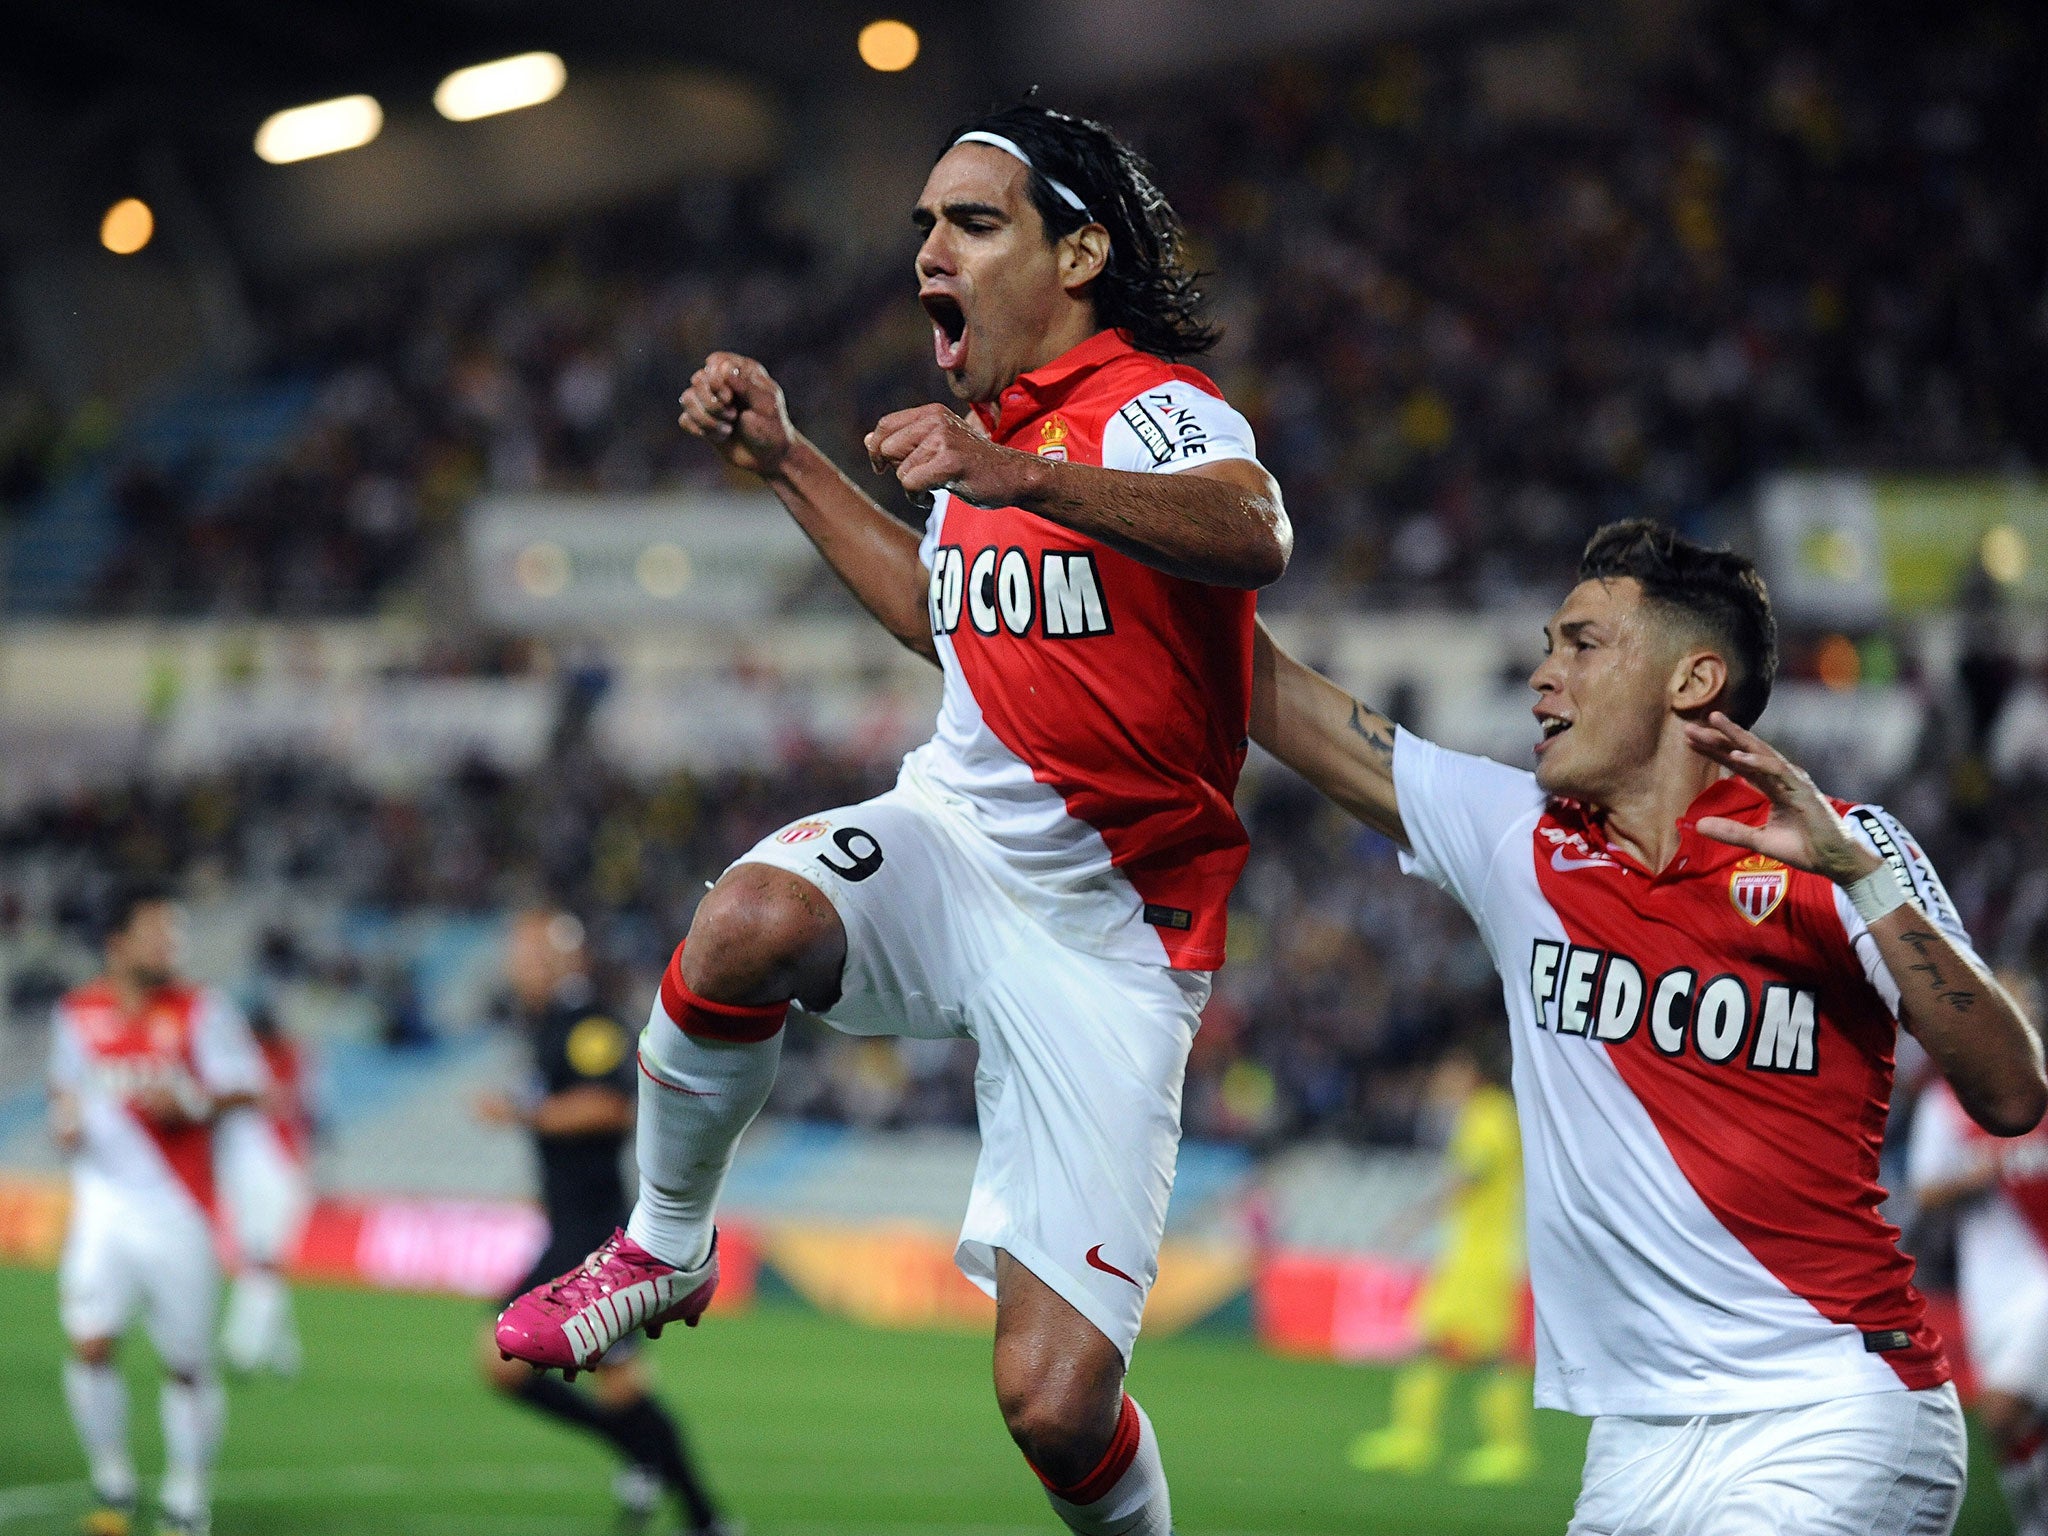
(93,1352)
(764,935)
(1061,1412)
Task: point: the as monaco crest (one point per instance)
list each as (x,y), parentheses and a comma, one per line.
(1757,886)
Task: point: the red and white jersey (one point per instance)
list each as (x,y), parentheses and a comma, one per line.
(2002,1237)
(1702,1064)
(188,1041)
(1095,710)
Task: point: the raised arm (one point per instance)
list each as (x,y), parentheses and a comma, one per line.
(1325,735)
(1970,1024)
(1222,524)
(735,406)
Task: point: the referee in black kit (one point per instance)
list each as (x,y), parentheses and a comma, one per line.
(579,1110)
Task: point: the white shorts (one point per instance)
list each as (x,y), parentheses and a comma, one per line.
(122,1257)
(1883,1464)
(2005,1303)
(266,1190)
(1078,1088)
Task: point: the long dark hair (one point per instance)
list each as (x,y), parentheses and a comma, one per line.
(1146,290)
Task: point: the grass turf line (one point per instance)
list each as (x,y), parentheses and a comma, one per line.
(807,1425)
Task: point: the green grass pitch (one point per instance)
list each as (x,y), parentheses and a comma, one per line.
(809,1426)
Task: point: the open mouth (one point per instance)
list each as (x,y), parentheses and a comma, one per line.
(1552,726)
(949,329)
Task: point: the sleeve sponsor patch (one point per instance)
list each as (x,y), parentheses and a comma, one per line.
(1175,425)
(1897,848)
(1150,433)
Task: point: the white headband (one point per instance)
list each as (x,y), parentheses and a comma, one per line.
(1009,147)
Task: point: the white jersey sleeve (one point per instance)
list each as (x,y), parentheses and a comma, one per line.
(928,541)
(1877,830)
(224,1051)
(1174,426)
(1459,811)
(1939,1150)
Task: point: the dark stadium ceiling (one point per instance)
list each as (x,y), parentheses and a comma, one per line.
(197,68)
(218,66)
(104,99)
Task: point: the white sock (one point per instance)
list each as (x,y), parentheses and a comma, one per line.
(1136,1504)
(696,1096)
(193,1416)
(99,1407)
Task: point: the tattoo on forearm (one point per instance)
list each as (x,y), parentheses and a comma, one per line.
(1374,728)
(1960,999)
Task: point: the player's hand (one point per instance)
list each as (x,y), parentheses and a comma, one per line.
(735,406)
(1803,830)
(932,449)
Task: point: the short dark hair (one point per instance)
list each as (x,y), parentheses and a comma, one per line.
(1146,289)
(1716,588)
(126,898)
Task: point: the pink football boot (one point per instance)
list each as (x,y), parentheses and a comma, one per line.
(569,1323)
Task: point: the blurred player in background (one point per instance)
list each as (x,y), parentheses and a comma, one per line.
(143,1064)
(1705,964)
(579,1109)
(261,1153)
(1998,1191)
(1051,874)
(1470,1310)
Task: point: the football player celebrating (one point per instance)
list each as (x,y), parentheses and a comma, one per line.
(1705,962)
(1998,1190)
(141,1066)
(1050,873)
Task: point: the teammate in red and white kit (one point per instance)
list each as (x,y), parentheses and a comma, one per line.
(261,1154)
(1705,963)
(1999,1191)
(141,1065)
(1049,876)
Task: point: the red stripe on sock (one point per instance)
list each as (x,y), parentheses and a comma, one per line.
(662,1082)
(734,1023)
(1116,1461)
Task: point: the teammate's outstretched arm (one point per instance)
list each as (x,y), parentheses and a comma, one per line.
(1223,524)
(1969,1023)
(735,406)
(1325,735)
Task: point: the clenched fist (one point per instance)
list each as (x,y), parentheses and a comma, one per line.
(735,406)
(932,449)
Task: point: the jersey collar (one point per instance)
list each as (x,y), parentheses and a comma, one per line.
(1732,797)
(1045,386)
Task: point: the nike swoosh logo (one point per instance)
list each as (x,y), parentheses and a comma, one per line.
(1096,1261)
(1561,862)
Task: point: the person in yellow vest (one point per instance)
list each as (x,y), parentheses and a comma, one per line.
(1469,1311)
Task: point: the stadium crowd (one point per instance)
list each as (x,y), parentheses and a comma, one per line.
(1346,979)
(1481,294)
